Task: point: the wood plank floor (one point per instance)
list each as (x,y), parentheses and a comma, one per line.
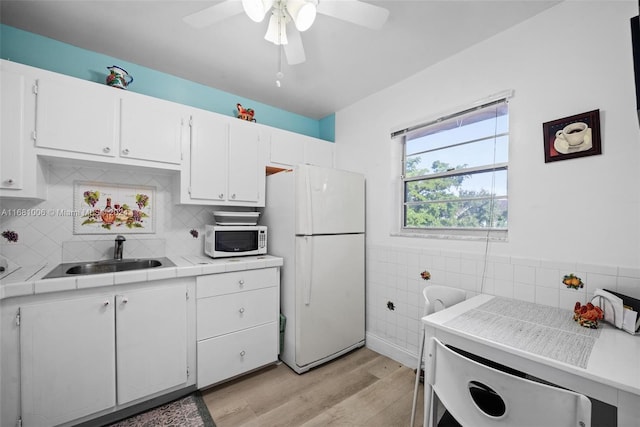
(362,388)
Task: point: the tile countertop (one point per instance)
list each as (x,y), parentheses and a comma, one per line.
(28,280)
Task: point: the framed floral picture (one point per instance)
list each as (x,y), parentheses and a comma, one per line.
(104,208)
(571,137)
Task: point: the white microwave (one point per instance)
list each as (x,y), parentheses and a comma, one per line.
(222,241)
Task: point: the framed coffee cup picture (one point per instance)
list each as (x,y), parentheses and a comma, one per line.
(571,137)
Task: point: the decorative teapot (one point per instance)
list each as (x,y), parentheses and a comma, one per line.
(118,77)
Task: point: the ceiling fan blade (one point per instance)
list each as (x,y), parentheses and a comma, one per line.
(294,49)
(355,11)
(214,14)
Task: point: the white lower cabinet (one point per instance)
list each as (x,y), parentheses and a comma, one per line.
(237,323)
(229,355)
(151,336)
(87,354)
(68,365)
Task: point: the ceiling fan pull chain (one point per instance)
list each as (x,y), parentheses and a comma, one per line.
(279,74)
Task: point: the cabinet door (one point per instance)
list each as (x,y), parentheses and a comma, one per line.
(208,157)
(151,331)
(286,148)
(318,152)
(67,359)
(151,129)
(244,164)
(77,115)
(12,88)
(289,148)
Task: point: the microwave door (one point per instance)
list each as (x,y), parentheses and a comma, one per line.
(236,241)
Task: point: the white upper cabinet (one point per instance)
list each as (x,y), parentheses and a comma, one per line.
(21,175)
(290,149)
(246,171)
(318,152)
(205,172)
(226,162)
(286,149)
(12,130)
(84,120)
(151,129)
(221,160)
(76,115)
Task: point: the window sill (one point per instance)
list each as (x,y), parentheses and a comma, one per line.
(480,236)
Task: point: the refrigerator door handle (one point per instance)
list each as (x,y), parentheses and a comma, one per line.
(309,225)
(307,256)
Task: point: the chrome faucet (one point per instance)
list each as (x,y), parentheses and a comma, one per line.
(117,251)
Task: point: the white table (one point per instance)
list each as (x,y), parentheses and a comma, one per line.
(612,373)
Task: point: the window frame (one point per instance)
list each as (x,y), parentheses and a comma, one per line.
(483,233)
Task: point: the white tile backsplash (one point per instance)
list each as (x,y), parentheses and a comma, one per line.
(394,275)
(50,239)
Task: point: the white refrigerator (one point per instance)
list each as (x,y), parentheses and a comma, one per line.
(315,219)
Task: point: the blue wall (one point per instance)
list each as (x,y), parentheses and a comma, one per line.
(42,52)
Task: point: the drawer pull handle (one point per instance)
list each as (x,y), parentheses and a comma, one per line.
(241,310)
(125,300)
(241,282)
(106,303)
(242,353)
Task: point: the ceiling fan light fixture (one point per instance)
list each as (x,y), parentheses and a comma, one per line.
(256,9)
(302,12)
(277,31)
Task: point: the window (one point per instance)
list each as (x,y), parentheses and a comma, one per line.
(454,178)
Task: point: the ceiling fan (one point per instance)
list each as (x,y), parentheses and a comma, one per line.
(301,13)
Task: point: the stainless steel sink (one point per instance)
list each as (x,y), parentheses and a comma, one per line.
(107,266)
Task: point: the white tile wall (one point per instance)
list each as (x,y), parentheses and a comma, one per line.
(393,274)
(50,238)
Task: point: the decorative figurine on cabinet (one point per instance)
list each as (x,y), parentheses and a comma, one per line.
(245,114)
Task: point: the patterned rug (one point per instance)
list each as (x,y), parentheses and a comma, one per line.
(189,411)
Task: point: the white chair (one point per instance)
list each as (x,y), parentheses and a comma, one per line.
(480,396)
(436,298)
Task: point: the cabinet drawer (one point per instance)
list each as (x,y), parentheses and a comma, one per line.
(232,312)
(225,283)
(229,355)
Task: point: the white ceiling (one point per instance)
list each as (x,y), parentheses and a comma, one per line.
(345,62)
